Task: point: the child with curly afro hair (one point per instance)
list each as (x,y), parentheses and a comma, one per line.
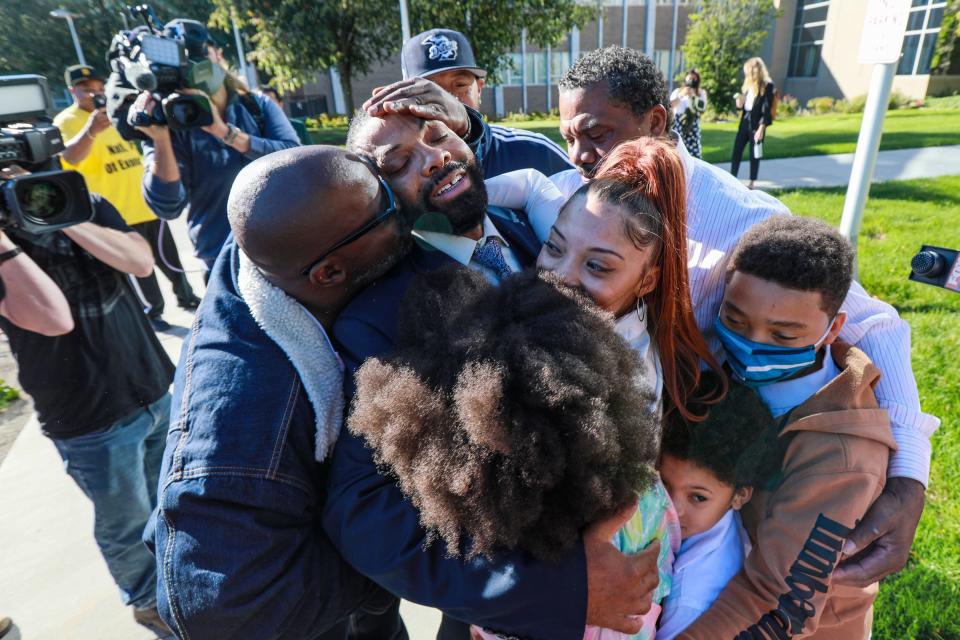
(710,470)
(513,417)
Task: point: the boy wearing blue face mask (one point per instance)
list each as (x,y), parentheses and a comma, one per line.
(778,323)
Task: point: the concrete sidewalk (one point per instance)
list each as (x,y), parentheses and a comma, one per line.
(54,583)
(834,171)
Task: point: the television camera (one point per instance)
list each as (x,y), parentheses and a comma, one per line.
(163,60)
(35,195)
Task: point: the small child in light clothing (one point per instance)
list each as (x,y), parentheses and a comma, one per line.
(710,470)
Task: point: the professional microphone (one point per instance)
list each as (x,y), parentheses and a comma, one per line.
(140,76)
(937,266)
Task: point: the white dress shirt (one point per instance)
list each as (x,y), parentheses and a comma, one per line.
(461,248)
(719,210)
(704,566)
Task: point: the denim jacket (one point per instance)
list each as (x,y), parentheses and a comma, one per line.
(240,549)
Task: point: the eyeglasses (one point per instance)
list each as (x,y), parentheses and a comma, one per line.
(368,226)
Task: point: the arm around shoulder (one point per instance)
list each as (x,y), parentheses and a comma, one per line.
(787,575)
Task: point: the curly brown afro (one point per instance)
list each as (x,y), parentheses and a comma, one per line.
(512,416)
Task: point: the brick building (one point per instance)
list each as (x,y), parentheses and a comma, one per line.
(811,50)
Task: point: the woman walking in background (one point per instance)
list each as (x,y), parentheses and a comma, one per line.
(688,103)
(755,104)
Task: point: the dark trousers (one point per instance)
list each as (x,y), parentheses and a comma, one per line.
(453,629)
(158,236)
(384,626)
(744,139)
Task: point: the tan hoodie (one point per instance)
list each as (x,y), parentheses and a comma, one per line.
(838,445)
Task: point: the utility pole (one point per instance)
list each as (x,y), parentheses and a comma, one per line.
(548,53)
(673,45)
(68,16)
(404,21)
(623,24)
(523,67)
(245,71)
(649,39)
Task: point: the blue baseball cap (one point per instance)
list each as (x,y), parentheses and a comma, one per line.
(438,50)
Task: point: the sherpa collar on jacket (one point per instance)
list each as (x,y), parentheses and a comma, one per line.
(303,340)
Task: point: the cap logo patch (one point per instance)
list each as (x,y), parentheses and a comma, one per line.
(441,48)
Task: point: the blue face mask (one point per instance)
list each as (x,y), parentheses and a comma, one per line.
(757,364)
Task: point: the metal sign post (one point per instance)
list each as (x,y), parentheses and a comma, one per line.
(883,31)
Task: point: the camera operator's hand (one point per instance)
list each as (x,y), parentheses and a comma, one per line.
(228,134)
(421,98)
(97,122)
(145,104)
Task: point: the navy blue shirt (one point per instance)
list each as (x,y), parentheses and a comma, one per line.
(502,149)
(207,169)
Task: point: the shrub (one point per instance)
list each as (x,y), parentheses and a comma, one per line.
(898,100)
(821,105)
(532,116)
(7,395)
(789,106)
(324,121)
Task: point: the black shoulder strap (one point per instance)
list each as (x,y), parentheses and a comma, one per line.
(250,103)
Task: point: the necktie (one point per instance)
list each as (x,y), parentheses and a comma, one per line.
(489,254)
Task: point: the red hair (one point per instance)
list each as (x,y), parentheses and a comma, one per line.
(646,178)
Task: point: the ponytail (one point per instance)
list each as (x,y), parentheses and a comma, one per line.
(646,178)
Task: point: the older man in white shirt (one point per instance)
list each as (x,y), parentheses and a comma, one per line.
(615,94)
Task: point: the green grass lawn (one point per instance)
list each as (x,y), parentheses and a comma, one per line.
(923,601)
(787,138)
(817,135)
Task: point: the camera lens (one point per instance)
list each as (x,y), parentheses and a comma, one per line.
(41,200)
(184,112)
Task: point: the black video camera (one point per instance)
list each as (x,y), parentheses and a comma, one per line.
(153,58)
(46,200)
(937,266)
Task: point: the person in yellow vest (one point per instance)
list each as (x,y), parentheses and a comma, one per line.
(112,167)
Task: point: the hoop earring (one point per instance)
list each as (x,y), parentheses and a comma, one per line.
(641,309)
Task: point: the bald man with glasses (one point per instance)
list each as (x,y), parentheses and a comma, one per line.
(258,405)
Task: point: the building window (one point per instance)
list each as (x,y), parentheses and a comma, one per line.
(536,68)
(923,28)
(808,28)
(661,58)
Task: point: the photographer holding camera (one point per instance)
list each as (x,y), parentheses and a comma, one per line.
(196,167)
(100,380)
(113,168)
(689,103)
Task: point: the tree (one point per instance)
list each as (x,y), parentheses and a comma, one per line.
(493,26)
(946,55)
(720,38)
(295,38)
(33,42)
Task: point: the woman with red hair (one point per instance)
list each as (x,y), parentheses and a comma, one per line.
(621,238)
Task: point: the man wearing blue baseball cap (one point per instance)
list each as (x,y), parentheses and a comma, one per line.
(439,65)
